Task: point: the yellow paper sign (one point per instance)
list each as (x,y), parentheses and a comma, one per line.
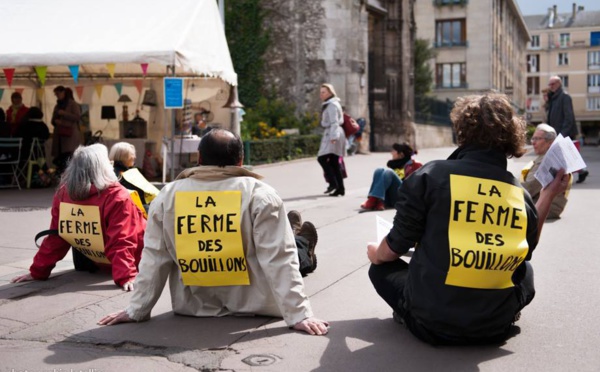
(134,177)
(135,197)
(208,238)
(487,232)
(79,225)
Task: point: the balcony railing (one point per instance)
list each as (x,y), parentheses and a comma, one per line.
(461,86)
(450,44)
(450,2)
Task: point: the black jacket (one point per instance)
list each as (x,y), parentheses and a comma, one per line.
(560,114)
(473,225)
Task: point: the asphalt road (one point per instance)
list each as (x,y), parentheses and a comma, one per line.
(51,325)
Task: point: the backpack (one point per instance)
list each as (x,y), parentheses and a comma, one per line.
(350,125)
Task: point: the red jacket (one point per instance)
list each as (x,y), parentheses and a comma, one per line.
(123,229)
(20,115)
(411,166)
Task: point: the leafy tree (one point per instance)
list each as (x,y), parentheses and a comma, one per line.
(423,73)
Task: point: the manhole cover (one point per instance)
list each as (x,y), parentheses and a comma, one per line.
(258,360)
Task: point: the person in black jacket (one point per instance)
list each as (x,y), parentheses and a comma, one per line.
(123,156)
(474,229)
(32,127)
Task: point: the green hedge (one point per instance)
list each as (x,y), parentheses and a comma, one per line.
(281,149)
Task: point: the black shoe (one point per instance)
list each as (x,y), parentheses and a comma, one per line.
(295,220)
(582,176)
(338,192)
(329,189)
(309,232)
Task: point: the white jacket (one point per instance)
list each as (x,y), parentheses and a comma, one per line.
(276,286)
(332,119)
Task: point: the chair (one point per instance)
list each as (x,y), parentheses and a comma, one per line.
(37,156)
(10,157)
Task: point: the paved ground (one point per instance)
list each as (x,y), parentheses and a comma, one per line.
(51,325)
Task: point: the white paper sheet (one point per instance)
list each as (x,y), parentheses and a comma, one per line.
(561,154)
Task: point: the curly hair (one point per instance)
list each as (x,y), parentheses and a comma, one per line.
(489,121)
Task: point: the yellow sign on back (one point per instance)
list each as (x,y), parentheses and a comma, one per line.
(208,238)
(80,226)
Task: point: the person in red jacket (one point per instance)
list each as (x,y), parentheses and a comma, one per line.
(16,112)
(93,213)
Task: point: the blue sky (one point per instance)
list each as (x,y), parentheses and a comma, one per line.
(530,7)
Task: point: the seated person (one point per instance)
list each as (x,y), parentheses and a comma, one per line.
(542,139)
(122,154)
(200,128)
(94,214)
(32,127)
(222,239)
(386,181)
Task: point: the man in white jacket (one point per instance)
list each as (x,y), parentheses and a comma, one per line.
(223,239)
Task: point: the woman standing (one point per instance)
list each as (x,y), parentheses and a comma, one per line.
(65,119)
(333,143)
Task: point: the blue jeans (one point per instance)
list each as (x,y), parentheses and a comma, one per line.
(385,186)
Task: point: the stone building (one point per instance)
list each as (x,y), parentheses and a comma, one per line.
(566,44)
(362,47)
(480,45)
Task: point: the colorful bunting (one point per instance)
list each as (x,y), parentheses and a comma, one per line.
(144,68)
(99,90)
(41,73)
(79,90)
(111,69)
(139,84)
(1,93)
(74,72)
(119,88)
(9,73)
(39,92)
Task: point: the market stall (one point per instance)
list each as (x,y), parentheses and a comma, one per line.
(114,55)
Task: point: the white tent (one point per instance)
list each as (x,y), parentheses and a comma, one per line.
(187,34)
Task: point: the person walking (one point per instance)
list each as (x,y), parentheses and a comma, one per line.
(333,142)
(65,119)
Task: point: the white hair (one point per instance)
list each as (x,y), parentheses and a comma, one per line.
(121,151)
(88,166)
(549,132)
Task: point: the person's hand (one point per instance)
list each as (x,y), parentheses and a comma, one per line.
(372,253)
(559,184)
(128,287)
(22,278)
(116,318)
(313,326)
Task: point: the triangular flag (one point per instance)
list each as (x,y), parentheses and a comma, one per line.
(40,93)
(99,90)
(139,84)
(19,90)
(9,73)
(74,72)
(119,88)
(144,68)
(79,90)
(1,93)
(41,73)
(111,69)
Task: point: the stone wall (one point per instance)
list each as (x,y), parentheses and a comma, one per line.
(430,136)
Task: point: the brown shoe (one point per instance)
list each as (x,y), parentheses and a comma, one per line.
(309,232)
(295,220)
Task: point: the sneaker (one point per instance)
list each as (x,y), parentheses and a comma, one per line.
(309,232)
(582,176)
(295,220)
(370,203)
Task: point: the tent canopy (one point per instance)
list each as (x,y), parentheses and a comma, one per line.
(187,34)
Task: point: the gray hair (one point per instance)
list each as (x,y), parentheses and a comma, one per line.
(121,151)
(88,166)
(549,132)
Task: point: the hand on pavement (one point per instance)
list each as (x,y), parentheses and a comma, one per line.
(116,318)
(313,326)
(22,278)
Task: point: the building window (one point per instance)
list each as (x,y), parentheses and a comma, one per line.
(563,59)
(450,33)
(451,75)
(594,60)
(565,40)
(565,80)
(533,62)
(533,85)
(595,38)
(535,41)
(594,83)
(593,104)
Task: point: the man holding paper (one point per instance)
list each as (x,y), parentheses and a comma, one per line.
(542,139)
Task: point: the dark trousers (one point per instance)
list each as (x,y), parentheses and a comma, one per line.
(389,280)
(331,166)
(306,265)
